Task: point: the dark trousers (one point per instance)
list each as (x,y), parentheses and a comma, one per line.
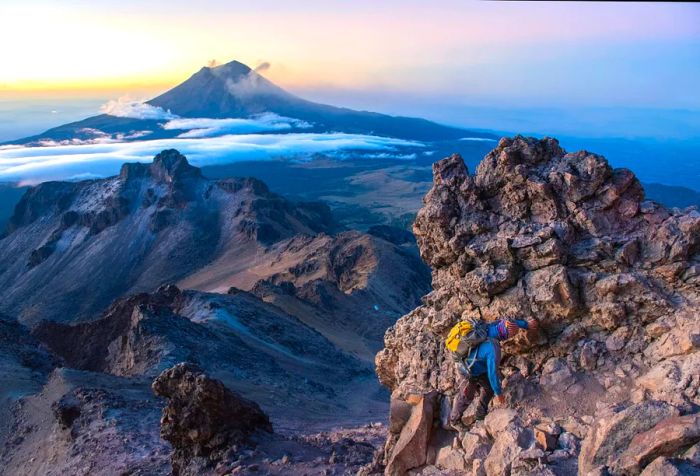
(466,393)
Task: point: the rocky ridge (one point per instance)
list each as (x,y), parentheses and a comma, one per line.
(153,224)
(253,347)
(610,383)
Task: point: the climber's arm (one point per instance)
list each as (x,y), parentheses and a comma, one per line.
(492,362)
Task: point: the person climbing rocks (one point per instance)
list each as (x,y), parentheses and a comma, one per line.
(475,346)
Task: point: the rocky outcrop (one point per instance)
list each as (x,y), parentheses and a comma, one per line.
(411,447)
(612,434)
(203,418)
(612,279)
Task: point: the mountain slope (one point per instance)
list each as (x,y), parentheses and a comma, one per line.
(345,285)
(71,248)
(233,90)
(251,345)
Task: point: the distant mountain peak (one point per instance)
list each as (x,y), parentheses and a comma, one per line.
(232,68)
(168,166)
(234,90)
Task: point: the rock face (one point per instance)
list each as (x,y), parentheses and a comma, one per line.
(203,418)
(667,437)
(611,435)
(612,279)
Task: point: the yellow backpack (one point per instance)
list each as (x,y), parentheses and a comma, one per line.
(464,336)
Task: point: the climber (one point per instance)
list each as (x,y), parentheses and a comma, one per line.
(477,352)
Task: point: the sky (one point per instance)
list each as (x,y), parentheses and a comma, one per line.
(512,54)
(585,72)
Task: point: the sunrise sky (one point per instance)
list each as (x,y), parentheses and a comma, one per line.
(598,54)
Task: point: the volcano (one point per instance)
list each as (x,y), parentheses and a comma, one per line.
(235,91)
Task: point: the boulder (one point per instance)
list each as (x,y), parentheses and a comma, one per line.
(611,434)
(507,447)
(664,439)
(693,454)
(568,442)
(203,418)
(449,458)
(547,440)
(399,413)
(410,451)
(475,447)
(499,419)
(675,380)
(663,466)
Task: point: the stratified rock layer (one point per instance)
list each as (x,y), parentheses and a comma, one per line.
(612,279)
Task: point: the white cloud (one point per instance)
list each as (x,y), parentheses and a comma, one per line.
(60,162)
(478,139)
(204,127)
(127,107)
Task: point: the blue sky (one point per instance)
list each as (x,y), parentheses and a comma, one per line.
(591,70)
(517,54)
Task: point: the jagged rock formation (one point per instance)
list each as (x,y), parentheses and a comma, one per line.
(203,418)
(613,280)
(72,248)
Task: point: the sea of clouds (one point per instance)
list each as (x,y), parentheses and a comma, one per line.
(204,127)
(204,141)
(201,127)
(29,165)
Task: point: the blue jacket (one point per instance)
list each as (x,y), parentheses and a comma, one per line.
(488,354)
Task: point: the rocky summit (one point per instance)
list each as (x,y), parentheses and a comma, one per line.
(610,382)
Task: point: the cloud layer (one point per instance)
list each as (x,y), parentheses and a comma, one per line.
(63,162)
(127,107)
(204,127)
